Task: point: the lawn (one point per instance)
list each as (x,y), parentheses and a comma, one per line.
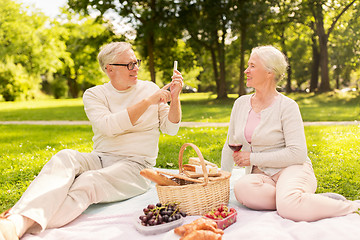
(25,149)
(197,107)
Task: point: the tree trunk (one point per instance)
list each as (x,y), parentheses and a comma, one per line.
(242,59)
(73,87)
(222,94)
(314,81)
(324,61)
(150,48)
(216,73)
(288,79)
(288,88)
(337,78)
(323,41)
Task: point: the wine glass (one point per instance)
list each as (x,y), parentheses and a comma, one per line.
(234,144)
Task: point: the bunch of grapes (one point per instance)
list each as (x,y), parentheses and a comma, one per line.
(160,214)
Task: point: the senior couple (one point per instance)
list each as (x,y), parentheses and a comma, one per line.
(126,111)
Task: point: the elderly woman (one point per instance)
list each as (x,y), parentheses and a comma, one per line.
(124,113)
(279,175)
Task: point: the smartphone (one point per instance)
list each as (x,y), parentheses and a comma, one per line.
(175,65)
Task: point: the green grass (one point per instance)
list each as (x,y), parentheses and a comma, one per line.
(49,109)
(25,149)
(332,106)
(198,107)
(334,151)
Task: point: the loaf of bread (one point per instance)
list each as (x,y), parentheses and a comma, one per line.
(196,161)
(189,167)
(198,169)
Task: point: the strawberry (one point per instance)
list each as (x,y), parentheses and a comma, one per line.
(209,215)
(221,208)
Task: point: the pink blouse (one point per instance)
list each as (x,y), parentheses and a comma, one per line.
(252,122)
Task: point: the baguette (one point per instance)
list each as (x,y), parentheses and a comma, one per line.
(157,177)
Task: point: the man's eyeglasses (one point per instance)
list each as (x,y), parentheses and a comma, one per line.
(130,66)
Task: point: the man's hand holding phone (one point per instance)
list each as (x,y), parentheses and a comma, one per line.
(176,83)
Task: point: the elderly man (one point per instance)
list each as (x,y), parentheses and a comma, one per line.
(126,115)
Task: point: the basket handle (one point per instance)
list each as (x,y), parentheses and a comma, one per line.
(202,160)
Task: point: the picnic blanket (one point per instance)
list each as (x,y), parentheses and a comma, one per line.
(116,221)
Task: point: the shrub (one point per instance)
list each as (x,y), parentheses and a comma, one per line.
(15,82)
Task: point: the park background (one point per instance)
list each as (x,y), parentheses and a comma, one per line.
(46,63)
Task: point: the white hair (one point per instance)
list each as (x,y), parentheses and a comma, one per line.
(273,60)
(110,52)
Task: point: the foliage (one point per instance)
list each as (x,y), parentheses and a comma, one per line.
(83,36)
(62,52)
(299,51)
(210,39)
(156,31)
(325,16)
(28,45)
(205,24)
(347,53)
(15,81)
(187,65)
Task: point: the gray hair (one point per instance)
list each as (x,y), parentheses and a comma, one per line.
(273,60)
(110,52)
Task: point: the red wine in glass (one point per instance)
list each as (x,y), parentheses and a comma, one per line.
(235,147)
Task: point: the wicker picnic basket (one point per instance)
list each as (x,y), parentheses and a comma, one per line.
(197,196)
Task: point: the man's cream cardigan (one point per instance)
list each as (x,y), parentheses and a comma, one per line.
(114,135)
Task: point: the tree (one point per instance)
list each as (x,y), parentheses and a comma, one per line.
(207,23)
(319,10)
(246,18)
(83,36)
(344,52)
(283,17)
(150,18)
(27,46)
(248,23)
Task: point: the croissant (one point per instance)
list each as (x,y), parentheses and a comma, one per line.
(203,226)
(205,220)
(202,235)
(198,224)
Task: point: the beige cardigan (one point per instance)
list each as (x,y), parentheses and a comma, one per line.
(277,142)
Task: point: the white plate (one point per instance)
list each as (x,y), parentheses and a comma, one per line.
(157,229)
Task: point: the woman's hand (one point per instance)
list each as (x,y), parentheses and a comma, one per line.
(242,158)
